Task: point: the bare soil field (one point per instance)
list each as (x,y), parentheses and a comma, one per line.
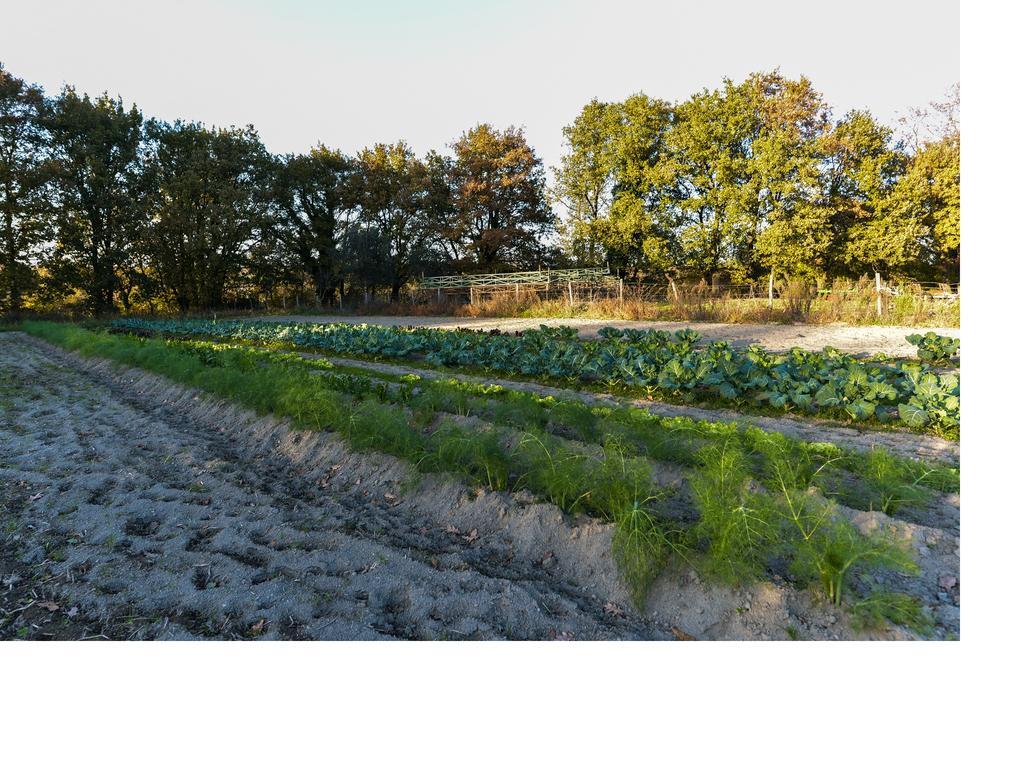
(855,339)
(131,507)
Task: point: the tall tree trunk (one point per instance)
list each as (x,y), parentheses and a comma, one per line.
(324,285)
(13,288)
(11,266)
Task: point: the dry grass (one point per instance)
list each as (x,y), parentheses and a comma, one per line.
(849,302)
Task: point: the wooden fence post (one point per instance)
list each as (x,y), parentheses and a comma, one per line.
(570,293)
(471,294)
(620,291)
(771,289)
(675,291)
(878,293)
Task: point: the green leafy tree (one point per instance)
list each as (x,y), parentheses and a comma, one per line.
(916,229)
(739,171)
(100,189)
(584,182)
(935,173)
(790,117)
(860,162)
(24,174)
(393,189)
(707,168)
(314,202)
(441,230)
(208,210)
(636,238)
(367,252)
(501,215)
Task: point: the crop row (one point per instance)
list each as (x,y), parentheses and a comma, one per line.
(875,480)
(935,348)
(828,382)
(791,528)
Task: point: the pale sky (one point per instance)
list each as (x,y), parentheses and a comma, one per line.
(350,74)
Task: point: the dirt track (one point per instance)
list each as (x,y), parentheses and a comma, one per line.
(131,507)
(856,339)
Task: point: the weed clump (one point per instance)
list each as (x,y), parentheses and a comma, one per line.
(736,531)
(882,606)
(482,457)
(640,548)
(787,527)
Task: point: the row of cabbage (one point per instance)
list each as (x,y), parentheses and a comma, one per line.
(809,382)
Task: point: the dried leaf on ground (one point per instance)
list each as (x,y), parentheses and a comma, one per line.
(613,610)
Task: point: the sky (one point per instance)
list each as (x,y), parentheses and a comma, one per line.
(350,74)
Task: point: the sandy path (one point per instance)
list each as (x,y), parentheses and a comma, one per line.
(889,340)
(152,511)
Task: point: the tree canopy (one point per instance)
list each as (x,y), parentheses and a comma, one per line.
(106,211)
(756,176)
(24,206)
(501,214)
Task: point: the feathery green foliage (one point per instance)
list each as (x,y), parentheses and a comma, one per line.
(737,530)
(481,456)
(882,606)
(746,531)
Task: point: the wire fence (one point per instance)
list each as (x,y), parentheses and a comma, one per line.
(590,285)
(547,278)
(597,293)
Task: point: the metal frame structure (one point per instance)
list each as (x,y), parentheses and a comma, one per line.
(546,278)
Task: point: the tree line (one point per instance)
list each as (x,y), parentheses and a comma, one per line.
(756,176)
(107,211)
